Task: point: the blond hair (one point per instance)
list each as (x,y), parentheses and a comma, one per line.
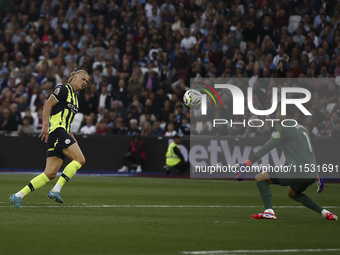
(76,72)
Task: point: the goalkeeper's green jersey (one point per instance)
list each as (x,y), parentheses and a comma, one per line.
(297,147)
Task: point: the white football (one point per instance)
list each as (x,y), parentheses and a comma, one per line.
(192,98)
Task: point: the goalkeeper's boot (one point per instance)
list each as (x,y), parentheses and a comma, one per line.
(55,196)
(16,201)
(267,214)
(331,216)
(319,184)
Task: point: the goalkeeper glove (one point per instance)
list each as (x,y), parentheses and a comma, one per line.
(319,184)
(241,170)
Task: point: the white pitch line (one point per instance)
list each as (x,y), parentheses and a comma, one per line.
(257,251)
(157,206)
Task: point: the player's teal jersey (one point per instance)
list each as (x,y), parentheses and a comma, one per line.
(297,147)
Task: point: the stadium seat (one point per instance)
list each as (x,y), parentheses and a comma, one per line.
(78,119)
(293,23)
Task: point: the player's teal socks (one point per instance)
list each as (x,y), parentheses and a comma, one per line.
(266,194)
(309,203)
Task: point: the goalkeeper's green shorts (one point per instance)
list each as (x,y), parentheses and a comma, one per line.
(298,185)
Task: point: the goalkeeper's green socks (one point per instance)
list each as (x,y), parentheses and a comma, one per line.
(33,185)
(308,202)
(266,194)
(69,171)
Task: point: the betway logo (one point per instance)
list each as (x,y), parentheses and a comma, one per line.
(239,101)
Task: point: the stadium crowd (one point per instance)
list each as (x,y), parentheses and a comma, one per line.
(141,54)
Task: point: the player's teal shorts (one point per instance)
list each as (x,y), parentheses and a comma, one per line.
(58,140)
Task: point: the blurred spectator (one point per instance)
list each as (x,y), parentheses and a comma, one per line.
(88,102)
(337,67)
(140,37)
(102,127)
(331,94)
(201,123)
(133,128)
(151,80)
(205,130)
(101,113)
(184,129)
(188,41)
(40,120)
(237,131)
(296,69)
(118,128)
(118,110)
(135,154)
(170,130)
(260,132)
(179,114)
(166,78)
(135,85)
(121,94)
(334,119)
(178,24)
(250,32)
(104,98)
(146,129)
(249,132)
(310,126)
(105,82)
(14,112)
(133,113)
(147,117)
(26,128)
(89,128)
(172,120)
(327,130)
(233,42)
(299,37)
(154,17)
(28,114)
(320,18)
(336,133)
(7,121)
(157,130)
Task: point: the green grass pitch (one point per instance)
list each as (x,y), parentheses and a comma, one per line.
(127,215)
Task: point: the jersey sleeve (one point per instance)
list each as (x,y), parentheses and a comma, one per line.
(60,93)
(279,137)
(179,153)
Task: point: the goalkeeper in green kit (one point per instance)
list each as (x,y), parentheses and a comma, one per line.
(297,147)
